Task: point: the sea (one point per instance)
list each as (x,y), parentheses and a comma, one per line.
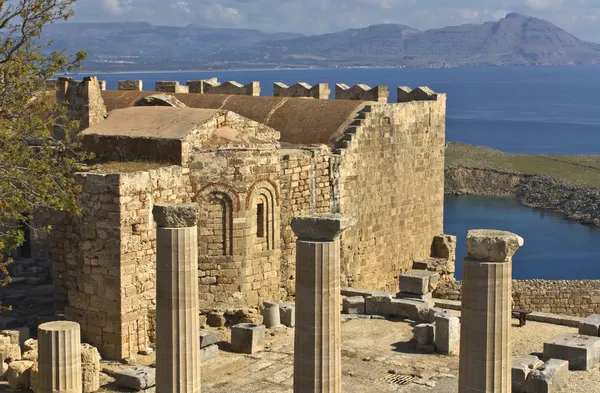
(521,110)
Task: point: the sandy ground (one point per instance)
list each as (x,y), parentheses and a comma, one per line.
(372,350)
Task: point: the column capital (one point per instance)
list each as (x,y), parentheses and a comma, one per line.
(488,245)
(321,227)
(183,215)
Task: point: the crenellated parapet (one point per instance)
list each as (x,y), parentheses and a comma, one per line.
(197,87)
(362,93)
(231,87)
(131,85)
(170,87)
(422,93)
(302,89)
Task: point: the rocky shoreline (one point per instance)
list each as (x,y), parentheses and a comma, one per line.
(543,192)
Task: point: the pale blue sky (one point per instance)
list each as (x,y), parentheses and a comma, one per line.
(580,17)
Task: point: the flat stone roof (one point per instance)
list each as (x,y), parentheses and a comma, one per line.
(299,120)
(151,122)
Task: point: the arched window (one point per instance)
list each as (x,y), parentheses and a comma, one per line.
(265,218)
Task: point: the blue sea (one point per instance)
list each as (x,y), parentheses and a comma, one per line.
(529,110)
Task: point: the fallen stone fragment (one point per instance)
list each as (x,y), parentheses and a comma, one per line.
(90,368)
(17,335)
(582,352)
(548,378)
(18,374)
(354,305)
(10,353)
(30,345)
(423,334)
(520,370)
(287,312)
(247,338)
(590,326)
(207,338)
(447,333)
(208,353)
(215,319)
(139,378)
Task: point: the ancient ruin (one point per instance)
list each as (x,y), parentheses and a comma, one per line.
(251,163)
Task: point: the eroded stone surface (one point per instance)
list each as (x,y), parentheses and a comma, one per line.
(551,377)
(207,338)
(447,333)
(182,215)
(18,374)
(582,352)
(271,316)
(424,334)
(139,378)
(208,353)
(590,326)
(321,227)
(521,367)
(488,245)
(418,281)
(287,313)
(247,338)
(354,305)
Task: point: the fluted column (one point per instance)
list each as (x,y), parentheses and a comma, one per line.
(485,357)
(59,357)
(317,350)
(177,325)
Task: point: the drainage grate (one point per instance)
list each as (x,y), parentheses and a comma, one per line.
(398,379)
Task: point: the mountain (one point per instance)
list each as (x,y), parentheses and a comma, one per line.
(514,40)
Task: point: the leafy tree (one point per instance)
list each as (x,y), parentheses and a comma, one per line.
(36,167)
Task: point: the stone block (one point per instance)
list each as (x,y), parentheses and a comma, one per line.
(548,378)
(433,312)
(423,334)
(408,308)
(418,282)
(287,313)
(30,345)
(374,305)
(208,353)
(207,338)
(426,297)
(34,378)
(488,245)
(247,338)
(139,378)
(590,326)
(520,370)
(582,352)
(10,353)
(271,317)
(18,374)
(30,355)
(354,305)
(321,227)
(17,335)
(447,333)
(90,368)
(215,319)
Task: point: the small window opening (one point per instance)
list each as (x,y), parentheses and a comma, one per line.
(260,220)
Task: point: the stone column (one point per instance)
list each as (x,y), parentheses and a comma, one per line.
(317,350)
(177,325)
(485,357)
(59,357)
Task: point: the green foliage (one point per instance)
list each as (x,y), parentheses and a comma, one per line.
(36,169)
(579,170)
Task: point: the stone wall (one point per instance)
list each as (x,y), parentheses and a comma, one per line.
(391,175)
(104,260)
(305,189)
(577,297)
(84,100)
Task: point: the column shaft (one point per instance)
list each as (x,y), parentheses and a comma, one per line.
(59,357)
(317,350)
(177,326)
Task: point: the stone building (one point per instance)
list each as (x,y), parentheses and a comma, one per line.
(252,163)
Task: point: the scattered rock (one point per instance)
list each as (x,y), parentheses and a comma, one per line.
(18,374)
(10,353)
(30,345)
(30,355)
(215,319)
(139,378)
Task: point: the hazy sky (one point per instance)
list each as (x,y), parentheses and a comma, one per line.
(580,17)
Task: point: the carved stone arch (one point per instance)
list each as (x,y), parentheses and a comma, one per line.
(264,201)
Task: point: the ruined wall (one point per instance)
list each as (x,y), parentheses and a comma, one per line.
(84,100)
(568,297)
(104,260)
(391,176)
(305,189)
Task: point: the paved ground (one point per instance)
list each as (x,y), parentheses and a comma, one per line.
(371,351)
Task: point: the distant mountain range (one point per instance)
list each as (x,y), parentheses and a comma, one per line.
(514,40)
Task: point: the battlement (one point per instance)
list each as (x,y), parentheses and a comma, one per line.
(302,89)
(131,85)
(170,87)
(421,93)
(232,88)
(362,93)
(197,87)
